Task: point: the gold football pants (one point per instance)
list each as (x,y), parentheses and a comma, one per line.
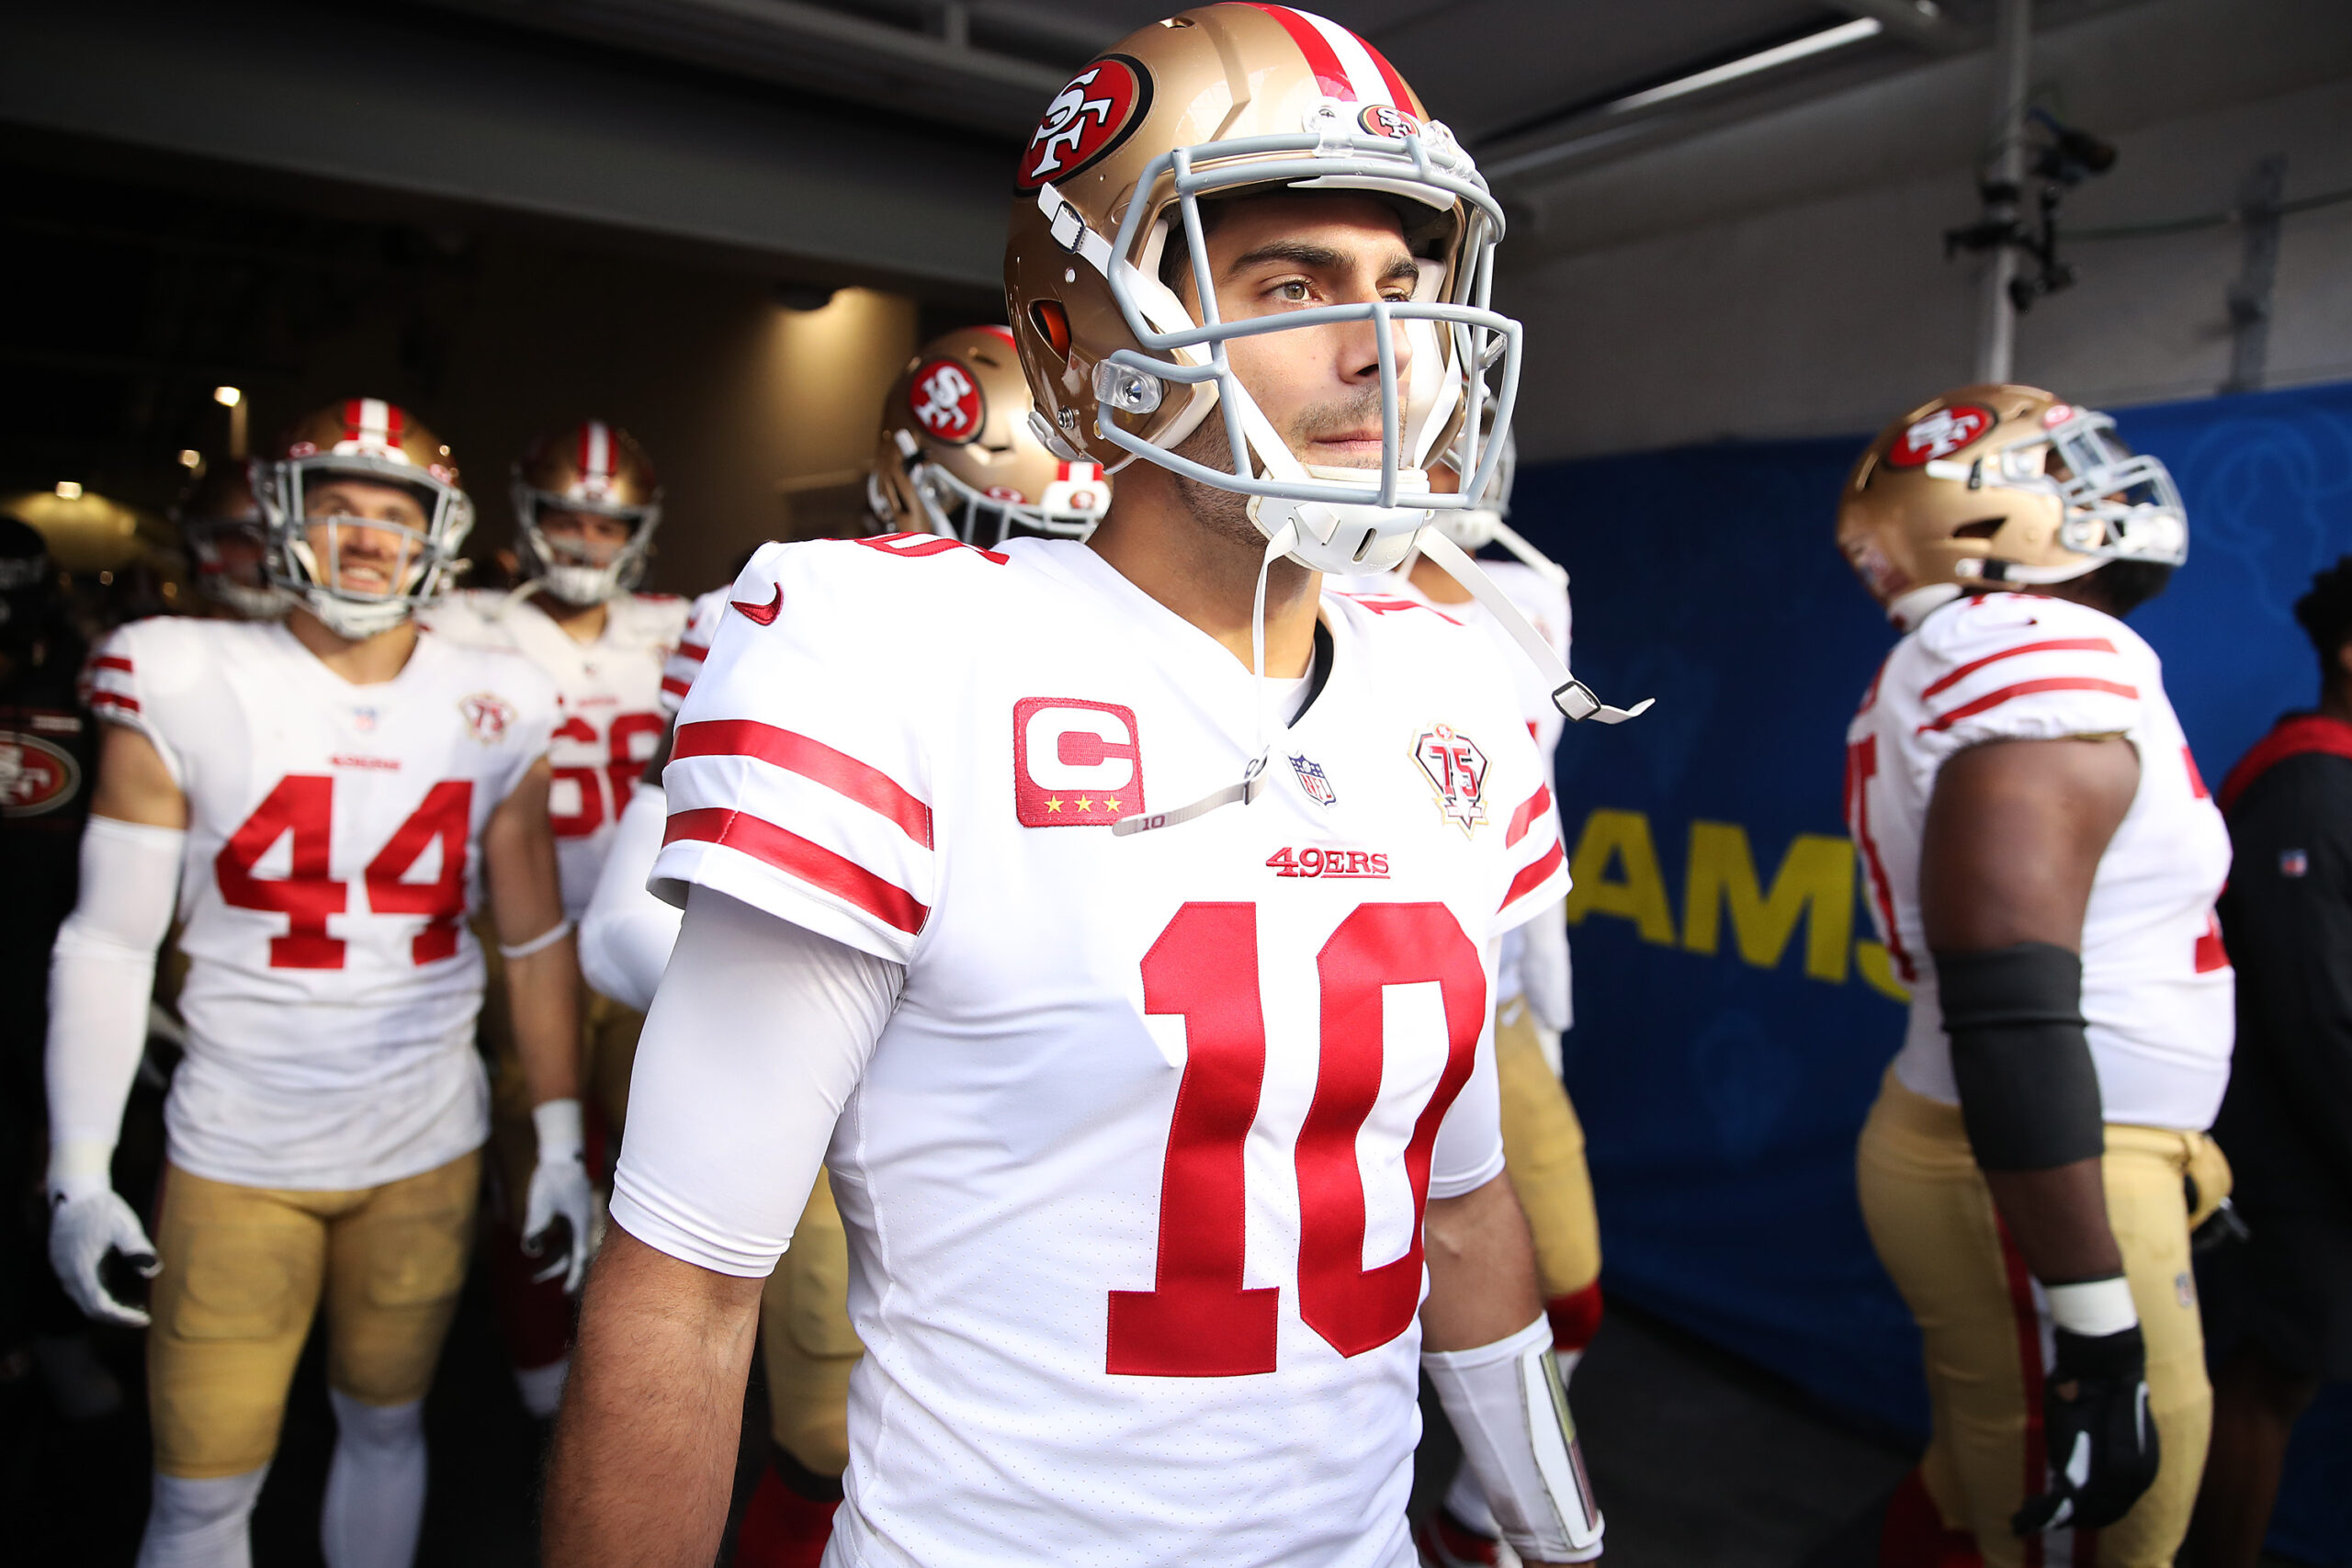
(1931,1218)
(1544,1154)
(244,1268)
(807,1346)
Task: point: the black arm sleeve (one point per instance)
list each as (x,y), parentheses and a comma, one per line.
(2028,1090)
(2288,922)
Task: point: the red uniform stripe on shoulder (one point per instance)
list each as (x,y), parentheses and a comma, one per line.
(698,651)
(116,699)
(111,661)
(2054,644)
(674,686)
(1533,876)
(812,760)
(2027,689)
(796,856)
(1530,811)
(1321,58)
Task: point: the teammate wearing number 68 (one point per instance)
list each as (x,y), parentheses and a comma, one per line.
(1166,1167)
(322,800)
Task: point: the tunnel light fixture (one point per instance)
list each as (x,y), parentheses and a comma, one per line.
(228,397)
(190,458)
(68,490)
(1812,44)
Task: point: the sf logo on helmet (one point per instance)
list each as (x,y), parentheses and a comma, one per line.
(1085,121)
(947,400)
(1939,434)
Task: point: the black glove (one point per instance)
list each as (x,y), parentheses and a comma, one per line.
(2100,1437)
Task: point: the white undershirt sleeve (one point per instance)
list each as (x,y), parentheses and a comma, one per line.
(101,971)
(626,933)
(759,1034)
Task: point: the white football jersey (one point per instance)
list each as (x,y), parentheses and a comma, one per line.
(1134,1181)
(610,719)
(1545,604)
(686,659)
(2157,989)
(332,862)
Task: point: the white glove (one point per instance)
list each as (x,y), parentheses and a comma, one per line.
(559,1192)
(88,1219)
(1544,967)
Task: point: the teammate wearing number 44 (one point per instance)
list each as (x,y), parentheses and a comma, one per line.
(322,799)
(2042,862)
(1165,1174)
(586,504)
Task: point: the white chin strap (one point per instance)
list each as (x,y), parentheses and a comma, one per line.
(1570,695)
(355,619)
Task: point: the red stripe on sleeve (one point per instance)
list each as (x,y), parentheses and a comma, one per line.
(796,856)
(1321,58)
(2027,689)
(1533,876)
(2054,644)
(674,686)
(1530,811)
(111,661)
(813,760)
(116,699)
(698,651)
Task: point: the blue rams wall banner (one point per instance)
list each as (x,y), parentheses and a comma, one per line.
(1732,1011)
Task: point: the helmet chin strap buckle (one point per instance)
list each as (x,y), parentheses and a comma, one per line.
(1570,695)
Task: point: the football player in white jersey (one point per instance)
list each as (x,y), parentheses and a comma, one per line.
(1543,1140)
(2041,860)
(324,800)
(1115,921)
(220,523)
(586,503)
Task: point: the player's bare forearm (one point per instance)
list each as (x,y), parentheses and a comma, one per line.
(1482,1269)
(2058,1219)
(644,1456)
(526,902)
(2014,835)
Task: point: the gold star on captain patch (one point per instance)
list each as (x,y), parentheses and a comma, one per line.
(1111,803)
(1053,803)
(1085,803)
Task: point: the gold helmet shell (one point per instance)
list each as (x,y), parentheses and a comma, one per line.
(591,466)
(375,440)
(1220,101)
(2001,483)
(957,455)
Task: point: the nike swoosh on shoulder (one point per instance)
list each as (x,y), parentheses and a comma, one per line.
(762,614)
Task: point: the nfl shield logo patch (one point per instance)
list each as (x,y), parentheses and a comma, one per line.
(1311,779)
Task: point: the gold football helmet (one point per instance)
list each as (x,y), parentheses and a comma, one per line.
(362,438)
(1222,101)
(1993,484)
(957,455)
(220,523)
(589,467)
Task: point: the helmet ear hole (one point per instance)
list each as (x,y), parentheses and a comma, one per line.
(1983,528)
(1053,324)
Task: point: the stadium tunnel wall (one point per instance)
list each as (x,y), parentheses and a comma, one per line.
(1733,1014)
(1783,275)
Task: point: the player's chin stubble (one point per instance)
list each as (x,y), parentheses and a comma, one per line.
(1222,514)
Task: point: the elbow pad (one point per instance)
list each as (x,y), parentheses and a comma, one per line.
(2029,1091)
(100,973)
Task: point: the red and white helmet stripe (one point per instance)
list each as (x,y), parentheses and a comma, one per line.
(596,454)
(1345,66)
(373,426)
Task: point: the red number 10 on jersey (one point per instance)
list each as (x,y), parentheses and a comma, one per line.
(303,806)
(1199,1320)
